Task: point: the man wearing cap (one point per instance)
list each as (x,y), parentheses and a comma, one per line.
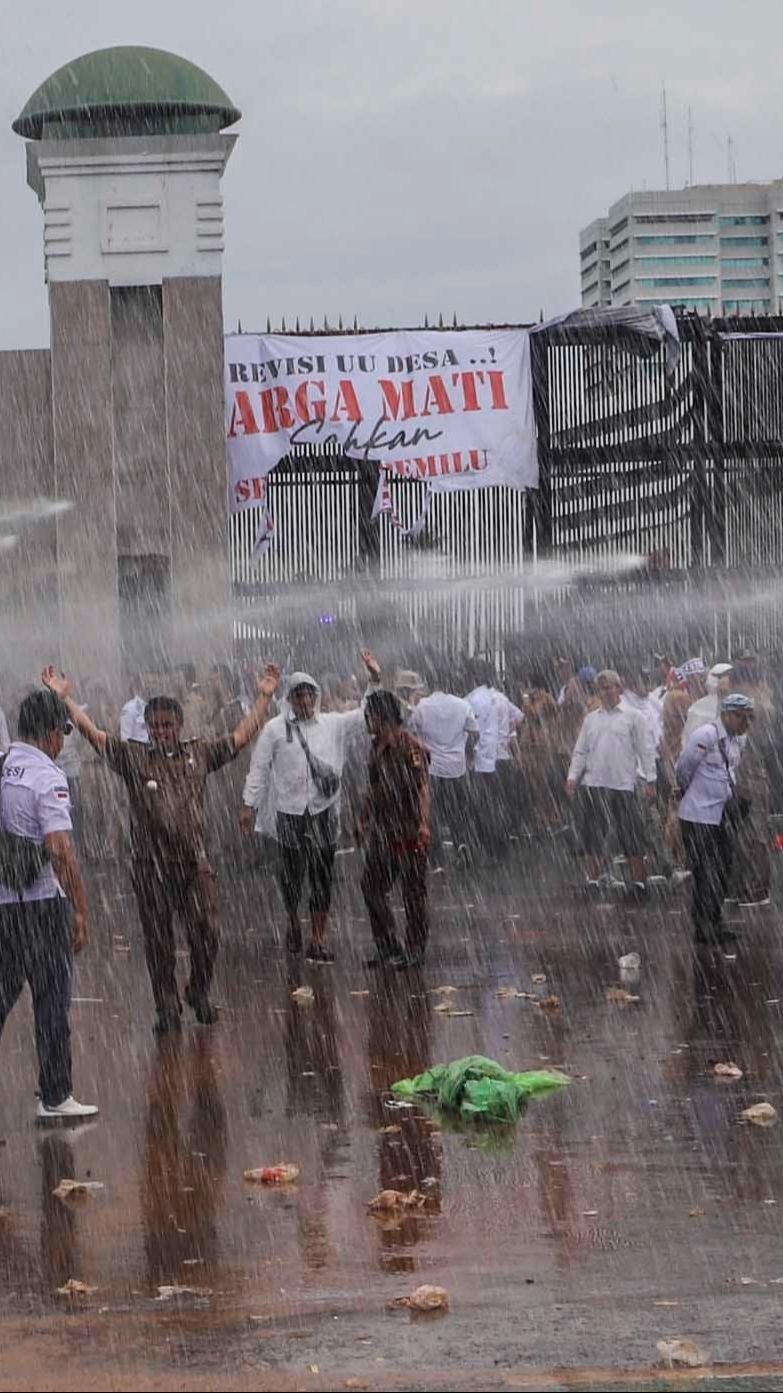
(710,811)
(409,687)
(43,906)
(614,744)
(166,782)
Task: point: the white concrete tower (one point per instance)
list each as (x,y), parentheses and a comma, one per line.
(126,156)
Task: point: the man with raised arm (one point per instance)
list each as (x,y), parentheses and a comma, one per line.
(171,875)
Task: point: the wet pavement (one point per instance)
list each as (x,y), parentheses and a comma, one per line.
(630,1207)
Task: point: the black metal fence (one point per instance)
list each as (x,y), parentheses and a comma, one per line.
(682,473)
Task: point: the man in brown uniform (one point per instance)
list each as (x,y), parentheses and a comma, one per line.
(396,821)
(171,875)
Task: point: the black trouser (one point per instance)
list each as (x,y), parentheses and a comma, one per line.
(488,814)
(709,853)
(382,866)
(190,892)
(36,946)
(307,843)
(451,811)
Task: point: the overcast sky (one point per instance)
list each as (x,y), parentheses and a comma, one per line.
(397,159)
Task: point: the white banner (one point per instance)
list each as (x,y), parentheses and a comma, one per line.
(453,408)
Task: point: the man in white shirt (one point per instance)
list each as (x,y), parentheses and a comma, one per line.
(43,906)
(613,745)
(488,816)
(132,723)
(447,728)
(295,773)
(706,772)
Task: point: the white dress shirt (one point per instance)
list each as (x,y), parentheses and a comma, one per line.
(509,717)
(279,778)
(442,723)
(5,736)
(611,748)
(651,713)
(701,771)
(34,801)
(132,723)
(487,713)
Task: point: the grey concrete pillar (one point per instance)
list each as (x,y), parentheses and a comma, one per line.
(200,575)
(84,475)
(29,627)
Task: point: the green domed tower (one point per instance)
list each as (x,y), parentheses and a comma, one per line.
(124,92)
(126,148)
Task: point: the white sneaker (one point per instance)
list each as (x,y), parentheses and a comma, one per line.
(67,1110)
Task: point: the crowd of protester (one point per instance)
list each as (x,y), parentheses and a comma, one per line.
(646,778)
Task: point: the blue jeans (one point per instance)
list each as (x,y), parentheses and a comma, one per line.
(36,946)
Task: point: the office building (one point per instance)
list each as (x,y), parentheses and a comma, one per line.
(713,248)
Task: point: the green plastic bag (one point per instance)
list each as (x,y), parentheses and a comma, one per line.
(479,1088)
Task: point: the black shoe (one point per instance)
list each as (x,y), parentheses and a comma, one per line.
(167,1021)
(293,943)
(407,960)
(316,953)
(202,1008)
(386,957)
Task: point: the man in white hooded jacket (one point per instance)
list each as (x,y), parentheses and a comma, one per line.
(291,764)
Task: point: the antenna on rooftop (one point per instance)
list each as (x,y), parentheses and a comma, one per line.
(731,163)
(690,146)
(665,133)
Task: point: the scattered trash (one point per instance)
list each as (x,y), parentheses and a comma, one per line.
(362,993)
(303,994)
(447,1010)
(391,1201)
(475,1087)
(629,962)
(443,991)
(281,1174)
(620,996)
(359,1384)
(550,1003)
(763,1114)
(538,978)
(168,1293)
(393,1127)
(77,1189)
(684,1352)
(697,1213)
(425,1298)
(727,1071)
(589,1213)
(73,1287)
(507,993)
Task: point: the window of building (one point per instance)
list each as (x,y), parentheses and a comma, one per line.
(618,227)
(591,270)
(618,246)
(730,241)
(588,251)
(734,282)
(676,260)
(681,302)
(743,220)
(745,263)
(673,239)
(621,266)
(586,289)
(665,282)
(742,306)
(673,217)
(621,286)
